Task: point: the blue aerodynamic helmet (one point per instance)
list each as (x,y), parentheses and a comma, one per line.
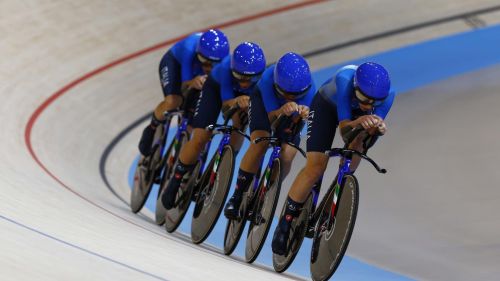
(248,59)
(213,45)
(372,80)
(292,74)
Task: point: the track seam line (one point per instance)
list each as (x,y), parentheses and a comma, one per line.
(74,246)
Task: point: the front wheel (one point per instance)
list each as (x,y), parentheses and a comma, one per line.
(146,171)
(332,233)
(263,211)
(171,160)
(298,231)
(212,195)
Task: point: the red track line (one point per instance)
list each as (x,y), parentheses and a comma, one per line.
(36,114)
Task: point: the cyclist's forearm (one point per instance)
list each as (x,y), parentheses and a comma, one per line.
(347,126)
(273,115)
(230,103)
(185,85)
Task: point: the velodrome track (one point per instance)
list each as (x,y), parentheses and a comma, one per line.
(59,221)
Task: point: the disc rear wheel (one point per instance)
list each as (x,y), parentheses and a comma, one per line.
(234,228)
(212,196)
(146,171)
(298,230)
(174,216)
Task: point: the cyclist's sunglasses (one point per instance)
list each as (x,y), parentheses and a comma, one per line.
(246,78)
(291,95)
(206,62)
(363,99)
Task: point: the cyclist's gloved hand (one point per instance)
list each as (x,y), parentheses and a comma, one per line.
(368,121)
(289,108)
(382,128)
(303,111)
(197,82)
(243,101)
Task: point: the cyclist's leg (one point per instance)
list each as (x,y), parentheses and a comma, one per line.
(313,170)
(322,124)
(287,155)
(259,127)
(170,78)
(169,103)
(191,96)
(206,113)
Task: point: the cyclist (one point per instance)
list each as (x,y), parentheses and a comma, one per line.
(356,95)
(285,88)
(184,67)
(229,83)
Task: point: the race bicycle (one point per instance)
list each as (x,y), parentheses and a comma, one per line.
(259,201)
(332,223)
(214,183)
(149,168)
(173,217)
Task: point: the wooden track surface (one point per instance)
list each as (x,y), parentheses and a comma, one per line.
(74,228)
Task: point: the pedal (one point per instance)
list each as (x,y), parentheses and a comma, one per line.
(258,220)
(194,196)
(157,180)
(310,231)
(250,215)
(201,196)
(196,192)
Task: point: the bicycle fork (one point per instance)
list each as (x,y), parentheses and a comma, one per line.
(257,217)
(225,141)
(342,172)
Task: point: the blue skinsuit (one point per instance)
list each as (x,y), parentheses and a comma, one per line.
(185,52)
(335,103)
(219,87)
(340,91)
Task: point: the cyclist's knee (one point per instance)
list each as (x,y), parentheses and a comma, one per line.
(314,170)
(287,156)
(259,134)
(169,103)
(200,138)
(236,141)
(259,148)
(173,100)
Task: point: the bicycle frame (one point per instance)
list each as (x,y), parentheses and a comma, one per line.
(267,172)
(346,157)
(276,143)
(315,193)
(226,138)
(181,129)
(344,169)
